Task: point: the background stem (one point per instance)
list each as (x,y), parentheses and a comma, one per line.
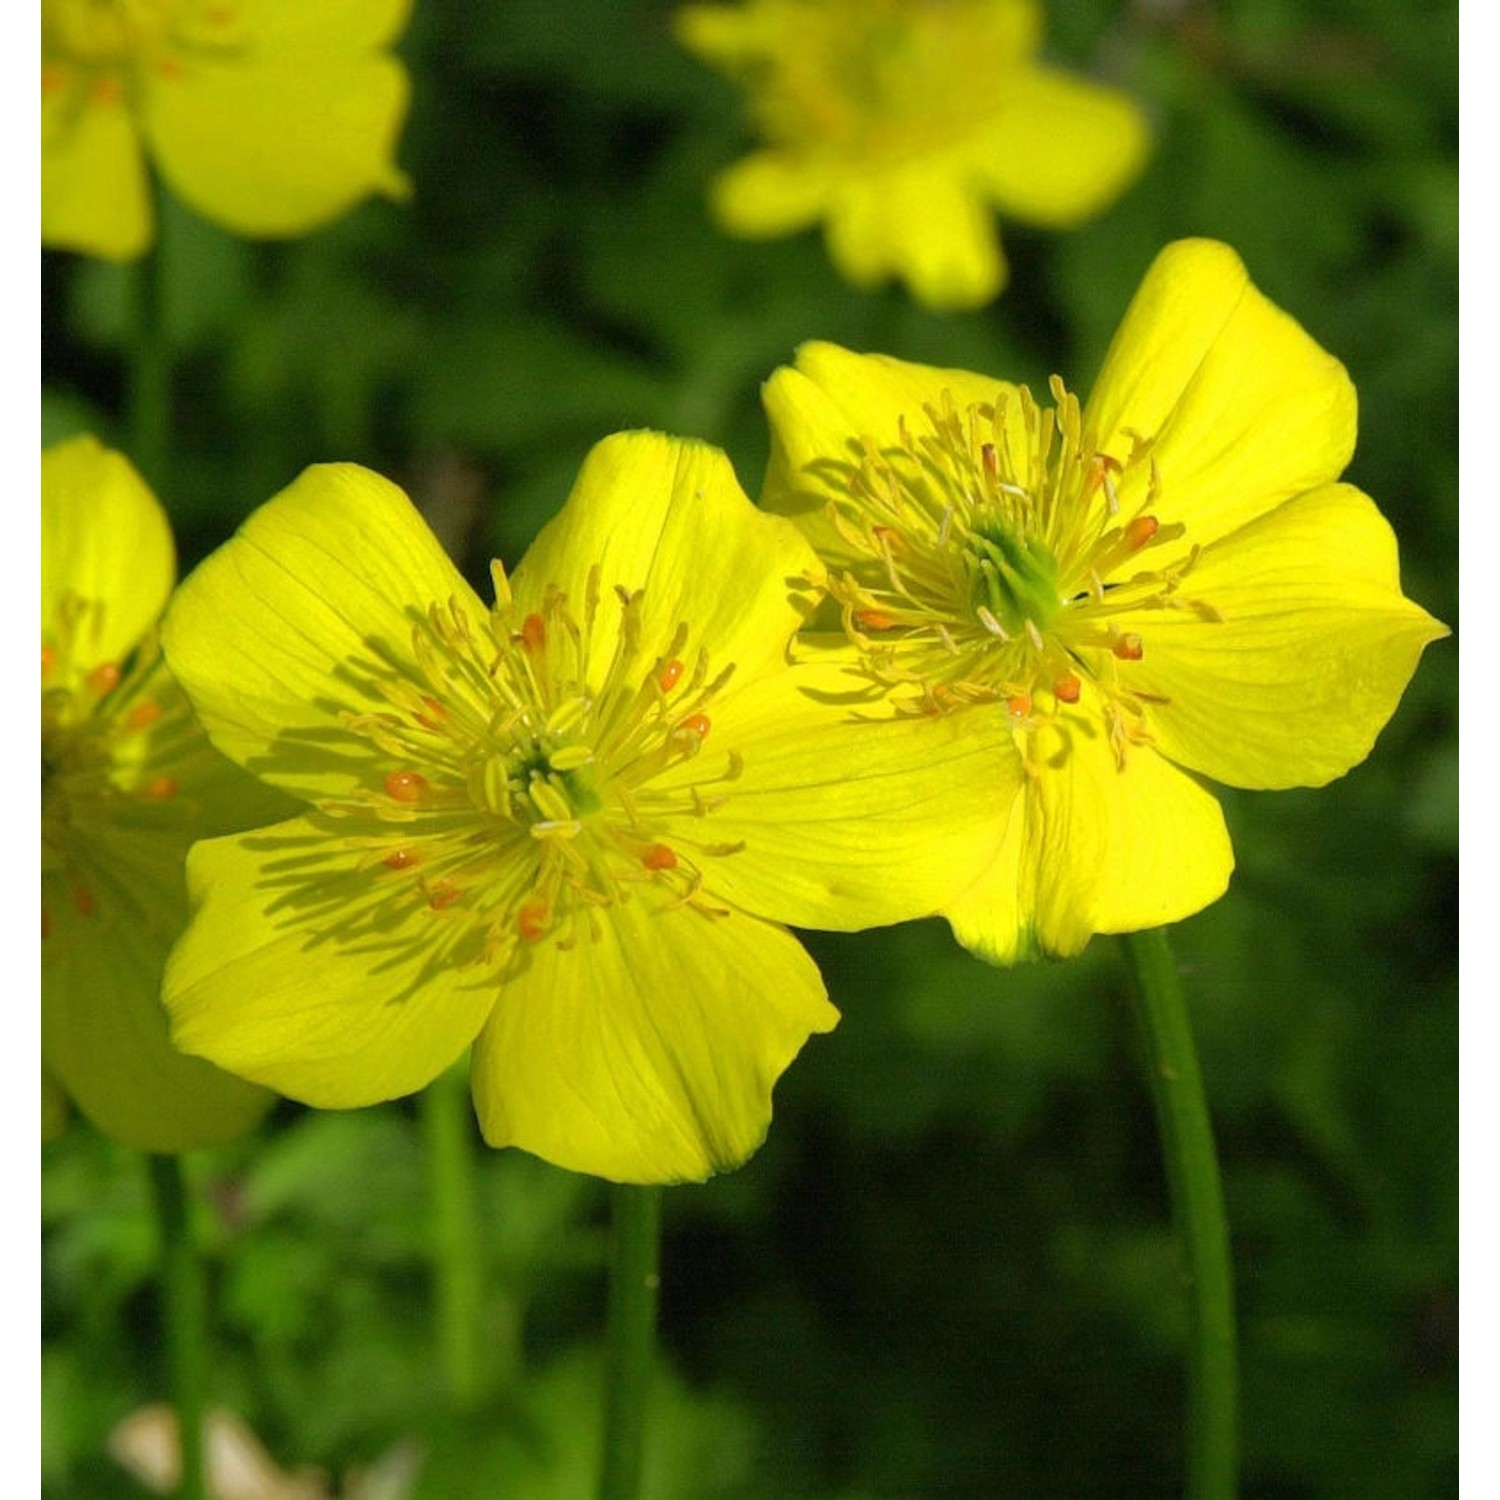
(456,1260)
(635,1250)
(1198,1207)
(185,1314)
(148,412)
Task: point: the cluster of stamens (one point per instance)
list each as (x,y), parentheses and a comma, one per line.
(96,719)
(993,560)
(518,783)
(100,42)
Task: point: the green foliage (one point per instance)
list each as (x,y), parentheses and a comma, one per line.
(949,1271)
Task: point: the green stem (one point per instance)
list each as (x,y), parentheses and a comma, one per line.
(1198,1208)
(635,1250)
(148,416)
(456,1259)
(185,1313)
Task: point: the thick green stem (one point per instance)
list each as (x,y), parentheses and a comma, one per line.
(148,415)
(1198,1208)
(635,1250)
(185,1313)
(457,1263)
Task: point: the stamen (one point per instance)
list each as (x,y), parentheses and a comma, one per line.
(670,675)
(531,921)
(406,786)
(1067,689)
(160,788)
(1140,531)
(659,857)
(698,724)
(142,716)
(105,678)
(1129,647)
(401,859)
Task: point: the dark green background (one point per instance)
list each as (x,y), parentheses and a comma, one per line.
(948,1272)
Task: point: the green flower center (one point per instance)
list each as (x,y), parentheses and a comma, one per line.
(515,793)
(992,560)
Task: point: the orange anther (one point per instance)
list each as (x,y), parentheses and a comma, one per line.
(434,716)
(143,715)
(1140,531)
(106,89)
(49,660)
(1018,704)
(658,857)
(670,675)
(83,900)
(1129,647)
(442,894)
(875,619)
(159,788)
(887,535)
(406,786)
(531,920)
(698,724)
(105,678)
(987,457)
(400,859)
(170,67)
(1068,689)
(534,634)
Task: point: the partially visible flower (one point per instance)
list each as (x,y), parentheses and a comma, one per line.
(1162,585)
(562,829)
(901,123)
(128,782)
(270,117)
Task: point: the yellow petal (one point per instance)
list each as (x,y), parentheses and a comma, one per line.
(106,540)
(334,986)
(327,25)
(666,516)
(1245,408)
(1315,647)
(276,635)
(277,145)
(95,194)
(648,1054)
(1061,149)
(849,817)
(926,224)
(769,193)
(1094,848)
(104,1038)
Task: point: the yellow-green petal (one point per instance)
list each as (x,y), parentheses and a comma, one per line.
(924,223)
(277,634)
(95,193)
(649,1053)
(769,193)
(1315,647)
(335,986)
(1061,149)
(849,816)
(1245,409)
(104,1038)
(277,145)
(104,540)
(1095,848)
(666,516)
(54,1108)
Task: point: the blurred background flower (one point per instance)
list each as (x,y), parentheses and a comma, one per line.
(901,123)
(270,119)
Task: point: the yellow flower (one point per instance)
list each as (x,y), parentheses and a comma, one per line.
(1163,585)
(270,117)
(128,782)
(562,829)
(900,123)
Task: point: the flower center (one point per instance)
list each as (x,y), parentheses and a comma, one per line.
(883,78)
(100,43)
(992,560)
(516,794)
(95,719)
